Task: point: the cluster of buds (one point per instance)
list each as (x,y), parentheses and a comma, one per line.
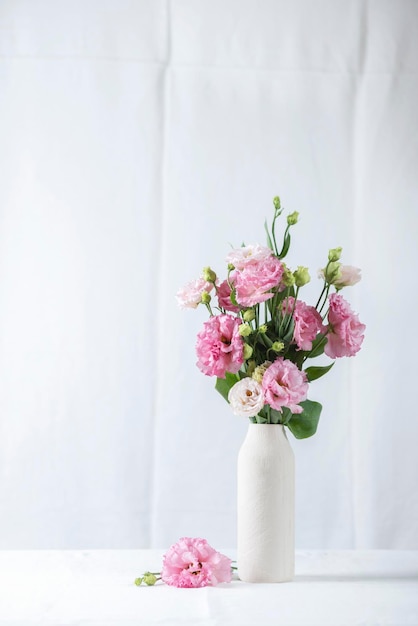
(337,274)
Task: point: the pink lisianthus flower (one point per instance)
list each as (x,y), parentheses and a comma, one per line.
(190,296)
(284,385)
(345,331)
(247,255)
(308,322)
(253,283)
(219,346)
(224,295)
(194,563)
(349,276)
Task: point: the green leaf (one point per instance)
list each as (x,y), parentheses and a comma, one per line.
(260,419)
(269,241)
(289,333)
(275,416)
(313,373)
(223,385)
(233,297)
(286,246)
(304,425)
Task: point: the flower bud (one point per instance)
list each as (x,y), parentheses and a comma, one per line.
(277,346)
(231,267)
(250,367)
(263,329)
(245,330)
(138,581)
(334,254)
(259,371)
(301,276)
(288,279)
(292,219)
(276,202)
(205,297)
(332,272)
(247,352)
(249,315)
(150,579)
(209,275)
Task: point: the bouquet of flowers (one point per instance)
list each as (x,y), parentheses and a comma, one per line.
(261,333)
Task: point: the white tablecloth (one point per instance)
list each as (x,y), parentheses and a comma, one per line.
(96,587)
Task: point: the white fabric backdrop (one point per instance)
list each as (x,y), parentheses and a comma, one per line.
(139,138)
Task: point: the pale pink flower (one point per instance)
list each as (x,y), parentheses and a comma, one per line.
(284,385)
(346,332)
(194,563)
(224,295)
(349,276)
(219,346)
(190,296)
(246,398)
(253,283)
(308,322)
(246,255)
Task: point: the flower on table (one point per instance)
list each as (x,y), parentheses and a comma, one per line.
(194,563)
(246,397)
(220,347)
(284,385)
(345,331)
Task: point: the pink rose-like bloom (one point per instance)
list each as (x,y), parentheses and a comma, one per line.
(253,283)
(246,255)
(219,346)
(308,322)
(349,276)
(284,385)
(224,295)
(346,332)
(194,563)
(190,296)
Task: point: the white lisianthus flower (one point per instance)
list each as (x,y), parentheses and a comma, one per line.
(349,276)
(246,398)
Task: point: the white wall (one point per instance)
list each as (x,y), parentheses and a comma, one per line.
(138,139)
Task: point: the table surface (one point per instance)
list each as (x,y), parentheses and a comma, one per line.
(95,587)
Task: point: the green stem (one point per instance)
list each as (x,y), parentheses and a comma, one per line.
(326,296)
(322,293)
(293,310)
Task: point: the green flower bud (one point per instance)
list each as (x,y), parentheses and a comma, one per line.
(209,275)
(277,346)
(138,581)
(259,371)
(251,367)
(334,254)
(247,352)
(150,579)
(231,267)
(292,219)
(332,272)
(263,329)
(245,330)
(301,276)
(206,298)
(249,315)
(276,202)
(287,277)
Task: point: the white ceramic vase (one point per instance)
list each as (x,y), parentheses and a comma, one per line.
(266,506)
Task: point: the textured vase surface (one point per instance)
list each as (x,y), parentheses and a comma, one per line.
(266,506)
